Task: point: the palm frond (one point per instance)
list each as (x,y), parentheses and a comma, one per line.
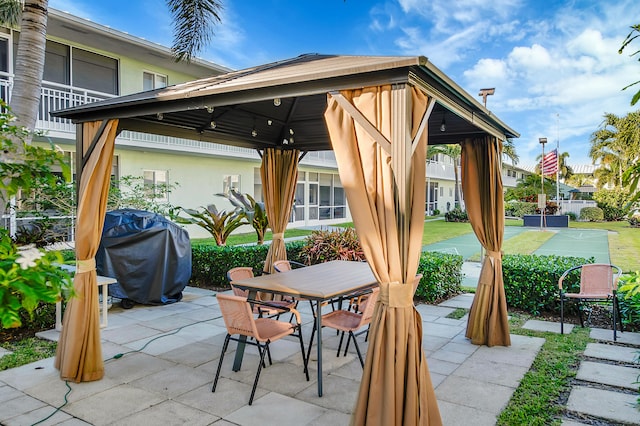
(10,12)
(193,22)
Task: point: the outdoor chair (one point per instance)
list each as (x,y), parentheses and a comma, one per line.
(243,272)
(598,284)
(346,321)
(239,320)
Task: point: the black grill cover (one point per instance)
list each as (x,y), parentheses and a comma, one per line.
(149,255)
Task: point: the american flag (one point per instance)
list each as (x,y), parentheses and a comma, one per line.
(549,163)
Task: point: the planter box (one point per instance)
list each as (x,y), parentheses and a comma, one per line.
(561,221)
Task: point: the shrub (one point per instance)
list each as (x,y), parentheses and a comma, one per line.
(325,245)
(531,281)
(592,214)
(456,215)
(629,299)
(211,263)
(613,202)
(519,208)
(436,212)
(572,216)
(441,276)
(28,278)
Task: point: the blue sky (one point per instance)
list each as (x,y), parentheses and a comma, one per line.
(554,64)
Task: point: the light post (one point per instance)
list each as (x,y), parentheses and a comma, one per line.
(542,201)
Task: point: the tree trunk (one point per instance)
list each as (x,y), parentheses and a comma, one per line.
(29,67)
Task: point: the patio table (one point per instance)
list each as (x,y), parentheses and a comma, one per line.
(318,283)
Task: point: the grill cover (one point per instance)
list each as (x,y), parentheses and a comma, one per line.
(149,255)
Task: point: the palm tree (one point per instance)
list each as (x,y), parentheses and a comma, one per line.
(193,26)
(453,151)
(509,151)
(616,146)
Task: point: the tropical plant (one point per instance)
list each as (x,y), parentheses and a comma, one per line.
(25,168)
(613,202)
(252,210)
(456,215)
(220,224)
(453,151)
(528,188)
(131,192)
(634,34)
(193,25)
(28,277)
(616,146)
(325,245)
(629,298)
(509,151)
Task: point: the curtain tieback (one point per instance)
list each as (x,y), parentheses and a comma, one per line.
(87,265)
(494,254)
(278,236)
(396,295)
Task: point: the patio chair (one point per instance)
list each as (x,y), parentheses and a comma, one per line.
(346,321)
(598,284)
(243,272)
(239,320)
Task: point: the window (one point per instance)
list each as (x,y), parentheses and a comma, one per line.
(155,183)
(230,182)
(151,80)
(450,192)
(442,191)
(56,63)
(94,72)
(4,55)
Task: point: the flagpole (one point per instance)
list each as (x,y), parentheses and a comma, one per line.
(558,162)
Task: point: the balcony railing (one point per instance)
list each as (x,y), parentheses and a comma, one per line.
(56,96)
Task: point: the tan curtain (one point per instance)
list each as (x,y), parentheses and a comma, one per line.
(279,173)
(482,188)
(383,174)
(79,354)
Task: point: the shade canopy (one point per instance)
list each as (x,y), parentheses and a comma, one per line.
(287,99)
(382,112)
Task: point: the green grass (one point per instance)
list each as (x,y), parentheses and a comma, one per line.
(457,313)
(538,398)
(26,351)
(439,230)
(250,237)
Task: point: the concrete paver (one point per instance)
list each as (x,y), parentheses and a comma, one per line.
(607,335)
(547,326)
(607,374)
(612,352)
(615,406)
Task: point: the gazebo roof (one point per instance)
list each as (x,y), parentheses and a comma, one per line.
(268,105)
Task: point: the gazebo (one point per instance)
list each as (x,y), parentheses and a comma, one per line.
(377,114)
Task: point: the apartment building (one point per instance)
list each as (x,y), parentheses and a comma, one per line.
(86,62)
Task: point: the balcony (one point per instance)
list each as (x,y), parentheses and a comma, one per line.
(56,96)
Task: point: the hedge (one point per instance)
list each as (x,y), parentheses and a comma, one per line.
(211,263)
(519,208)
(531,281)
(442,273)
(441,276)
